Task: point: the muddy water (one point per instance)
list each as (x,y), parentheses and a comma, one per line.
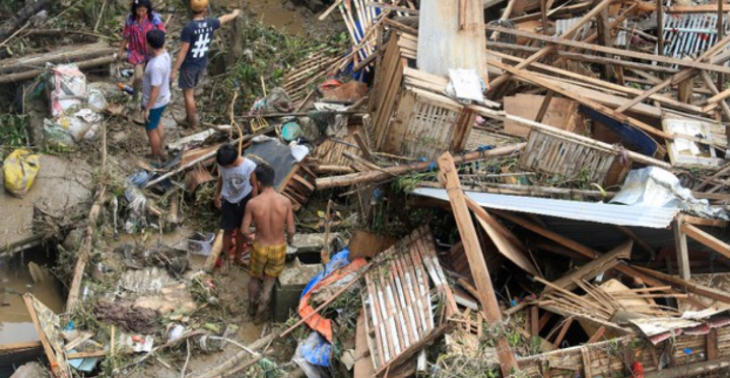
(15,280)
(280,14)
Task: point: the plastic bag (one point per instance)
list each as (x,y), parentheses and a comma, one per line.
(97,101)
(56,136)
(20,169)
(67,88)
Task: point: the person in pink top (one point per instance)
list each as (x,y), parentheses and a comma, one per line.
(140,20)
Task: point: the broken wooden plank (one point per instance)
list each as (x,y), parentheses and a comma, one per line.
(477,263)
(697,221)
(680,246)
(551,85)
(390,172)
(594,267)
(690,286)
(706,239)
(709,66)
(568,34)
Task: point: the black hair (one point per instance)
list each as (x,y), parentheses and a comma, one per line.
(227,154)
(141,3)
(156,38)
(265,175)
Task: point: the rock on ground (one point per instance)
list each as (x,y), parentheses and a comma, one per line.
(30,370)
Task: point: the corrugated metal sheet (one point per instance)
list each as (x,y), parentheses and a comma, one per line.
(620,215)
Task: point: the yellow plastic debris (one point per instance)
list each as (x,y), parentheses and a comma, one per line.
(20,169)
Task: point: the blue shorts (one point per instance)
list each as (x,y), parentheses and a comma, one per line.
(155,117)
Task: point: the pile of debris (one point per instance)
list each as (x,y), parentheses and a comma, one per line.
(544,194)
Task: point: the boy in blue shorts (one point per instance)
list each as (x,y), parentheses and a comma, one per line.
(156,91)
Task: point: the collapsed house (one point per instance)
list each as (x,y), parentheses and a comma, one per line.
(576,181)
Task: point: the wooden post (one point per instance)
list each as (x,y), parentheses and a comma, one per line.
(720,32)
(680,242)
(660,26)
(543,14)
(685,89)
(475,256)
(604,36)
(544,106)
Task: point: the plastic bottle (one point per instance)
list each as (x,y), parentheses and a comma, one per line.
(125,88)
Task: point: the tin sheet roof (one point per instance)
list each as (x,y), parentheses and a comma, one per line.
(620,215)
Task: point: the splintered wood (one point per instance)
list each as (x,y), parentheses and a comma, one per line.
(404,298)
(308,73)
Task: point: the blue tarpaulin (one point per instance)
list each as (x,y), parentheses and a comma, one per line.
(315,349)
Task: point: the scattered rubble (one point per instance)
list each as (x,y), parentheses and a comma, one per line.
(481,188)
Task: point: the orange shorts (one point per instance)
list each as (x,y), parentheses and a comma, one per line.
(268,260)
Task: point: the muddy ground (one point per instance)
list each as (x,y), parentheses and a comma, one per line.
(126,145)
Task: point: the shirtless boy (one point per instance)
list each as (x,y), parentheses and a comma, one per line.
(270,212)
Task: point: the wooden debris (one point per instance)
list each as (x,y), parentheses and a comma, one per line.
(490,307)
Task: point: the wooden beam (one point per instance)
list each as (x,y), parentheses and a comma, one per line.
(711,347)
(704,222)
(597,82)
(9,348)
(363,147)
(563,331)
(689,286)
(535,321)
(597,336)
(706,239)
(581,249)
(680,246)
(544,106)
(475,256)
(56,369)
(710,66)
(703,8)
(534,79)
(660,26)
(678,78)
(689,370)
(481,213)
(713,89)
(546,50)
(394,171)
(604,35)
(594,267)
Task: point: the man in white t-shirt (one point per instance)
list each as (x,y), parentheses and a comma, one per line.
(156,90)
(237,184)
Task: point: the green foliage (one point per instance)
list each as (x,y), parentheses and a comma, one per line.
(12,133)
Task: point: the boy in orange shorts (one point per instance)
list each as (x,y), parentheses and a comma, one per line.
(270,211)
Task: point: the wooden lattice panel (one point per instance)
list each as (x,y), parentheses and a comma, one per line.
(552,154)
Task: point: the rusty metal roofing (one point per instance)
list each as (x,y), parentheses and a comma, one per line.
(620,215)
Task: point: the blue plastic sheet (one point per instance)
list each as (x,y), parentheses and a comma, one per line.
(339,260)
(315,349)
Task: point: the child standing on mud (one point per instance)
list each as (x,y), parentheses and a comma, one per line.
(237,184)
(140,20)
